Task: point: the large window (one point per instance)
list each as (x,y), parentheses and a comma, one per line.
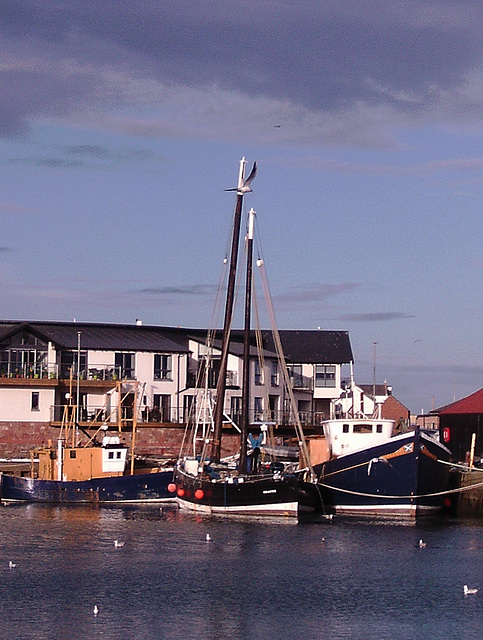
(125,365)
(324,375)
(162,366)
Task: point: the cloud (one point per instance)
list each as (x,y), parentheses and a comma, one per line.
(339,72)
(189,290)
(376,317)
(312,295)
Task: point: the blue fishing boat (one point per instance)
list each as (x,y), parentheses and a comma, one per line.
(369,471)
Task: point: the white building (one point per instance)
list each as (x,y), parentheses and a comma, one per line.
(44,366)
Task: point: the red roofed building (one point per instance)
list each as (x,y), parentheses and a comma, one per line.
(458,421)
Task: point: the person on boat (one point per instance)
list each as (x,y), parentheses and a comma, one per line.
(256,443)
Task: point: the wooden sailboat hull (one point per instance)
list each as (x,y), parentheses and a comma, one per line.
(404,476)
(260,495)
(137,488)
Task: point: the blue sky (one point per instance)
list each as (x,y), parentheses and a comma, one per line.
(121,124)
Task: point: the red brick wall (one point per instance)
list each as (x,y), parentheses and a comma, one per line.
(392,409)
(17,439)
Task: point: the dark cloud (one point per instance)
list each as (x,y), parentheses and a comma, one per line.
(376,317)
(64,58)
(189,290)
(75,156)
(5,250)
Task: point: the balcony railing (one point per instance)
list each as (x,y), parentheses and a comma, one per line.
(41,371)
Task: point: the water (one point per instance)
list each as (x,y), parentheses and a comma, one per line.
(254,580)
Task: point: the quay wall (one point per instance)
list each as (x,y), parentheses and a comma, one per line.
(470,502)
(18,439)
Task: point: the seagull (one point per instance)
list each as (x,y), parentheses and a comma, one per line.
(467,591)
(11,565)
(118,544)
(96,609)
(208,537)
(421,544)
(245,187)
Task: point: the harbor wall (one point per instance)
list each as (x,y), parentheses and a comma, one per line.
(470,502)
(18,439)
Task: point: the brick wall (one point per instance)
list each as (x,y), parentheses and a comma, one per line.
(17,439)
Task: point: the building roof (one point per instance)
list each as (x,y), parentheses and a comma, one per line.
(96,336)
(471,404)
(299,347)
(313,347)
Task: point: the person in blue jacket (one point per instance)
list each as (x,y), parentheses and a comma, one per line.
(256,443)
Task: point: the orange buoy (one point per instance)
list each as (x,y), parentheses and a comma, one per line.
(171,487)
(181,492)
(199,494)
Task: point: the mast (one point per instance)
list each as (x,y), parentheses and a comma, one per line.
(243,187)
(245,417)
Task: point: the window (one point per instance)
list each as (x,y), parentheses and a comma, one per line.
(324,375)
(162,366)
(162,407)
(125,365)
(362,427)
(258,373)
(72,454)
(258,408)
(68,364)
(274,374)
(379,428)
(110,455)
(345,428)
(35,402)
(295,372)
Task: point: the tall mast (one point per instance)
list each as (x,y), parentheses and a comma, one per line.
(243,187)
(245,417)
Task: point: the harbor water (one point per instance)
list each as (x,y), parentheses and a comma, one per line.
(251,580)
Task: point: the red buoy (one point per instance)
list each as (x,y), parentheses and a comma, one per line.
(181,492)
(199,494)
(171,487)
(446,434)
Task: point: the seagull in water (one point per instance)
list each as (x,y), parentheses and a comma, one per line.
(208,537)
(245,187)
(467,591)
(11,565)
(422,544)
(96,610)
(118,544)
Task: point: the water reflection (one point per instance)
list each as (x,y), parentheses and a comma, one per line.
(344,578)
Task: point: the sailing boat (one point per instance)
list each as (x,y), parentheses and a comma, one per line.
(203,482)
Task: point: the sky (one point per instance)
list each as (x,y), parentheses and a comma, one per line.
(122,124)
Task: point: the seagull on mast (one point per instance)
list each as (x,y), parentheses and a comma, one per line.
(245,184)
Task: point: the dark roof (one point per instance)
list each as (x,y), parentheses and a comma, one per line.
(471,404)
(299,347)
(96,336)
(313,347)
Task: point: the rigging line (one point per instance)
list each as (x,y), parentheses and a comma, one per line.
(463,467)
(392,497)
(278,346)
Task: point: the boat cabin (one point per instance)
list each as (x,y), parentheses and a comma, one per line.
(83,463)
(348,435)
